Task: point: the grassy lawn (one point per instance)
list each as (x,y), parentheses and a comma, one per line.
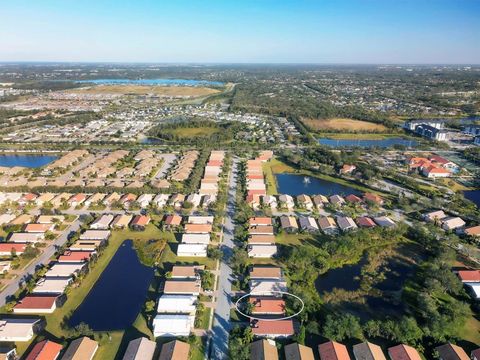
(205,318)
(292,239)
(340,124)
(170,258)
(271,182)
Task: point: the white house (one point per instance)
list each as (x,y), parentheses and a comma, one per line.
(262,251)
(22,330)
(144,200)
(172,325)
(161,200)
(192,250)
(177,304)
(196,239)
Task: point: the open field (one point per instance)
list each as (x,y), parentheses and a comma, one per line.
(342,124)
(143,89)
(357,136)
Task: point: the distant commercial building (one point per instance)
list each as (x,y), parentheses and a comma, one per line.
(430,129)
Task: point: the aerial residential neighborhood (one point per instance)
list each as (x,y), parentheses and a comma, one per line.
(240,180)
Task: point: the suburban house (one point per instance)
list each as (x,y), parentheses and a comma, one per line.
(368,351)
(174,350)
(96,198)
(305,202)
(262,251)
(102,223)
(27,198)
(144,200)
(308,224)
(264,349)
(6,218)
(200,220)
(433,171)
(336,200)
(266,287)
(473,231)
(139,222)
(192,250)
(177,304)
(6,249)
(86,245)
(194,199)
(286,201)
(452,223)
(19,329)
(186,272)
(140,349)
(191,287)
(273,329)
(267,306)
(81,348)
(172,222)
(469,276)
(196,239)
(297,351)
(166,325)
(51,285)
(373,198)
(434,216)
(328,225)
(403,352)
(32,237)
(347,169)
(95,235)
(45,350)
(261,239)
(198,228)
(110,199)
(121,221)
(50,219)
(384,221)
(161,200)
(270,201)
(266,272)
(44,198)
(64,270)
(354,199)
(288,224)
(319,201)
(75,256)
(451,352)
(260,230)
(346,223)
(260,221)
(127,199)
(177,200)
(36,304)
(38,228)
(333,350)
(77,199)
(365,222)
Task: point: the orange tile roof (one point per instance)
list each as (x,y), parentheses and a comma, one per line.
(333,351)
(469,275)
(279,327)
(267,305)
(192,228)
(260,221)
(75,256)
(141,220)
(45,350)
(473,231)
(173,220)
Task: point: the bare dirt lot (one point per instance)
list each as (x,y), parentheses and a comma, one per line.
(342,124)
(142,89)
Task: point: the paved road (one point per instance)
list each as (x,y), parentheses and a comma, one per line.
(168,160)
(221,317)
(43,259)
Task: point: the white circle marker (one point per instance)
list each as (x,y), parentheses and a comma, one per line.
(265,294)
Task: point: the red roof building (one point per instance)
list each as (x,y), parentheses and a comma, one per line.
(173,220)
(403,352)
(469,275)
(353,198)
(373,198)
(45,350)
(365,221)
(140,220)
(267,306)
(7,248)
(333,350)
(273,329)
(75,256)
(31,304)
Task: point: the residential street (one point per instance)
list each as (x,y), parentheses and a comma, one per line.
(44,258)
(221,317)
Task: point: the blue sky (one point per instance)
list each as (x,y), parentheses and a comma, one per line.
(260,31)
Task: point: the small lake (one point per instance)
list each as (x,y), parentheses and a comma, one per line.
(293,185)
(473,196)
(152,82)
(29,161)
(381,143)
(118,295)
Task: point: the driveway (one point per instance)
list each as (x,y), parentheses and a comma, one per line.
(221,317)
